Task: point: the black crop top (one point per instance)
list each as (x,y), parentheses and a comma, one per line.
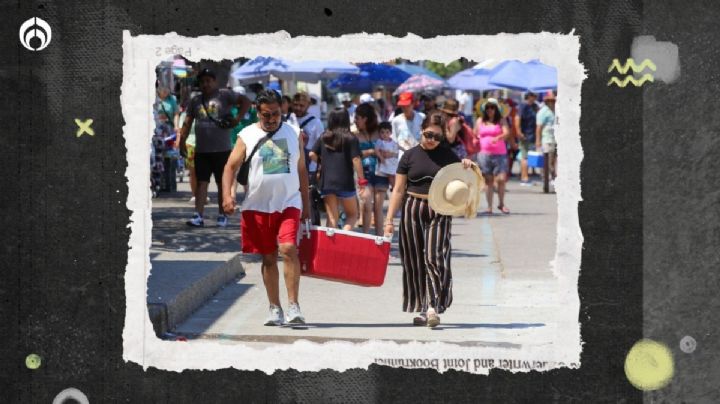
(421,165)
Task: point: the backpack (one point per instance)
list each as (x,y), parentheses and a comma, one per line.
(472,145)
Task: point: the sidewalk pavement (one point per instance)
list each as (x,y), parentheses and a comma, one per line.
(504,292)
(189,265)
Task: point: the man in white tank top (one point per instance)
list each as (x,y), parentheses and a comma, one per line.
(276,200)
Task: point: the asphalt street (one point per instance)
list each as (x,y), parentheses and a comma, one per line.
(505,294)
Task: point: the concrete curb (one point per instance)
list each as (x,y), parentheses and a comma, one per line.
(167,315)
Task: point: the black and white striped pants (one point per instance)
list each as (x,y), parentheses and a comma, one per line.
(425,257)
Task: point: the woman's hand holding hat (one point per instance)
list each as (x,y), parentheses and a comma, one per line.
(453,188)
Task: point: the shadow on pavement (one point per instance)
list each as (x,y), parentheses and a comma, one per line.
(489,325)
(441,326)
(461,254)
(170,233)
(499,215)
(359,325)
(168,278)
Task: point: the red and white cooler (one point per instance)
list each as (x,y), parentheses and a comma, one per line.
(343,256)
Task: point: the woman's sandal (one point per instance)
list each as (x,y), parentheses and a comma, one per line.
(420,320)
(433,320)
(504,209)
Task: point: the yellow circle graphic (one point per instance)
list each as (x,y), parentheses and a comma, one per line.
(33,361)
(649,365)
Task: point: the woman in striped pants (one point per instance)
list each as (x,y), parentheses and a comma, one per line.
(424,233)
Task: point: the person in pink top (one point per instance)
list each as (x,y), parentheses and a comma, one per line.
(493,131)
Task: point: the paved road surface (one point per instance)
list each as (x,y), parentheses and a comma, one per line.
(504,292)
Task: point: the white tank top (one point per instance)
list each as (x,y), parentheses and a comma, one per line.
(273,182)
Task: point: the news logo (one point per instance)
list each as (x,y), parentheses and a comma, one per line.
(35,34)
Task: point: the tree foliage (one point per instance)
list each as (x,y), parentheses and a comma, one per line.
(445,70)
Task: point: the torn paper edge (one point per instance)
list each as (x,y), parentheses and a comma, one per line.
(141,54)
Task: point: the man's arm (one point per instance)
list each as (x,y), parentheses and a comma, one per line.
(237,157)
(184,133)
(538,136)
(505,132)
(516,123)
(304,181)
(243,104)
(176,119)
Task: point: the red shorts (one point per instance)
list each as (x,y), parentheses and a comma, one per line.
(261,232)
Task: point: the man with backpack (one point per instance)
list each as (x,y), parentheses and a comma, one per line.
(211,111)
(311,128)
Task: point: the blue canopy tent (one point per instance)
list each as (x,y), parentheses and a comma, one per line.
(313,71)
(371,75)
(259,69)
(472,79)
(524,76)
(416,69)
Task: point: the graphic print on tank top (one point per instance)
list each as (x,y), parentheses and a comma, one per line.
(276,157)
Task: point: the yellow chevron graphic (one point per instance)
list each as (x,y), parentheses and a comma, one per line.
(630,64)
(630,79)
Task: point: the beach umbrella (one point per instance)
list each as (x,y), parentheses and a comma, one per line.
(472,79)
(313,71)
(524,76)
(260,69)
(179,68)
(419,83)
(370,75)
(416,69)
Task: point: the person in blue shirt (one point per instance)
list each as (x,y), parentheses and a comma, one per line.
(525,124)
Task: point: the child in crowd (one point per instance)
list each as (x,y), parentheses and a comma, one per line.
(386,150)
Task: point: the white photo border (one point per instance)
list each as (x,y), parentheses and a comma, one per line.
(141,54)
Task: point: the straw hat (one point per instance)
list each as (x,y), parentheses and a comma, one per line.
(453,189)
(503,108)
(450,106)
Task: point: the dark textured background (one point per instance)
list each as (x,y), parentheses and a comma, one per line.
(650,209)
(681,200)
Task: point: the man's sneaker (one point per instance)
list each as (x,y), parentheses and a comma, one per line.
(222,221)
(526,183)
(196,221)
(294,316)
(276,316)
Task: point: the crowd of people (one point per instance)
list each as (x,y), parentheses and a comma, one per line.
(296,167)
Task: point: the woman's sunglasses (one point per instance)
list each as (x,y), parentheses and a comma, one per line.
(429,135)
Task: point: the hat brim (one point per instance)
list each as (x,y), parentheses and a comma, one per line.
(503,108)
(436,195)
(449,112)
(404,104)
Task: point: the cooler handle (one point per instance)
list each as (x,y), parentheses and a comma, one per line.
(307,229)
(330,232)
(379,240)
